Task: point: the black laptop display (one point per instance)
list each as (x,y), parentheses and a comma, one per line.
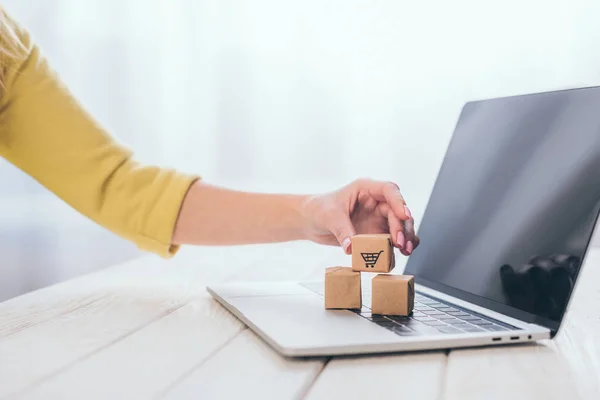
(515,204)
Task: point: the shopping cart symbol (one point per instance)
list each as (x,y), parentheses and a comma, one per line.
(371,259)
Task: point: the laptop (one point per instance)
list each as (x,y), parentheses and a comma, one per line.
(503,239)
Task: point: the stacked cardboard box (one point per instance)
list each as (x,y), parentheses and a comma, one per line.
(391,294)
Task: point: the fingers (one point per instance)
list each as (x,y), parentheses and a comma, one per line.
(402,232)
(409,246)
(412,240)
(386,192)
(395,226)
(343,230)
(370,204)
(392,206)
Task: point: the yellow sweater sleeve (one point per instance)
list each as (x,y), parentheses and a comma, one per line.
(46,133)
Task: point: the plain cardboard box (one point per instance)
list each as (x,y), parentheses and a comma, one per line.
(392,294)
(342,288)
(373,253)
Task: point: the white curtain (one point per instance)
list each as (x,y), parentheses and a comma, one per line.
(305,95)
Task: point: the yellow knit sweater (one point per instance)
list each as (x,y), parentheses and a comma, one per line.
(48,135)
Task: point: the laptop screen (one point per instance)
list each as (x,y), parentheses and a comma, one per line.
(515,204)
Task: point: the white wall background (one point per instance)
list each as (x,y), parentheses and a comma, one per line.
(278,95)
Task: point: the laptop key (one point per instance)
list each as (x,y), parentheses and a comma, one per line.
(433,312)
(379,318)
(458,313)
(399,318)
(461,326)
(420,327)
(434,323)
(424,319)
(468,318)
(472,329)
(455,321)
(423,307)
(388,324)
(446,309)
(481,322)
(444,317)
(436,305)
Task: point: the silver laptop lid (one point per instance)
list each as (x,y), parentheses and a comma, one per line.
(515,204)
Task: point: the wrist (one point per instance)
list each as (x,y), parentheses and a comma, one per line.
(299,223)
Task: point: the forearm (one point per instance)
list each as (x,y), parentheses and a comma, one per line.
(45,132)
(216,216)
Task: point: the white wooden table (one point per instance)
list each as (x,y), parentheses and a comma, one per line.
(148,329)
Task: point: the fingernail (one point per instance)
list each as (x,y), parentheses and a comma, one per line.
(346,244)
(407,212)
(400,239)
(409,247)
(408,227)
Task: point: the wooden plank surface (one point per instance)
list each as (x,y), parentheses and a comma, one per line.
(143,363)
(38,352)
(411,376)
(247,368)
(141,358)
(131,298)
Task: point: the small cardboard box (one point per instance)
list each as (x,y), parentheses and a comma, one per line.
(393,294)
(373,253)
(342,288)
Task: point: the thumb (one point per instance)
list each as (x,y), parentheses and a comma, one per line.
(343,231)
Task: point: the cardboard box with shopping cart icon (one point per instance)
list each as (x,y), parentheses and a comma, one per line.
(373,253)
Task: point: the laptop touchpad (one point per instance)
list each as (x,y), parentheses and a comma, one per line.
(301,321)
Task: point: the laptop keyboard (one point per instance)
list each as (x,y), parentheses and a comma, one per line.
(429,316)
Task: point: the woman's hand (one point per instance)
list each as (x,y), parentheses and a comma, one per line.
(364,206)
(211,215)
